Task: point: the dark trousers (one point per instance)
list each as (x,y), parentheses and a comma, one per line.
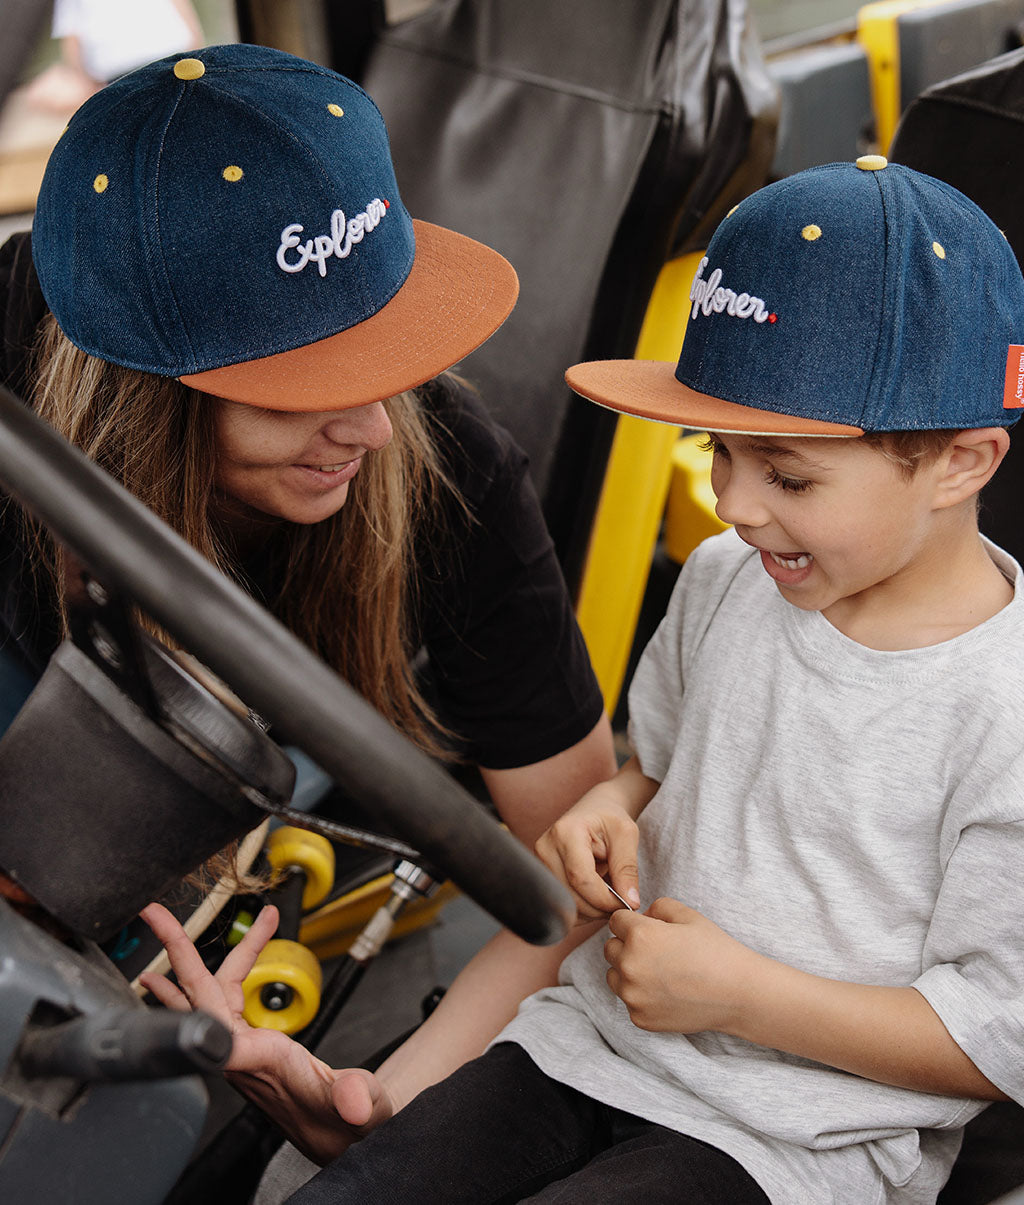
(499,1131)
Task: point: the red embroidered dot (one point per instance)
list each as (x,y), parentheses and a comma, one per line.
(387,204)
(773,318)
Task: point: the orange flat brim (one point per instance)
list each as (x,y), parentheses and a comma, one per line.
(649,389)
(455,297)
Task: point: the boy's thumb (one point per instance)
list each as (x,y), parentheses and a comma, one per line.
(625,878)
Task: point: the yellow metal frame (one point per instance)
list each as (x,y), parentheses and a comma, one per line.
(330,930)
(690,511)
(878,33)
(633,497)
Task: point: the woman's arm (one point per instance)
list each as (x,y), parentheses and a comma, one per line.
(322,1109)
(676,971)
(488,991)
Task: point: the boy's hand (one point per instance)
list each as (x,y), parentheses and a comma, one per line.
(678,972)
(595,839)
(322,1110)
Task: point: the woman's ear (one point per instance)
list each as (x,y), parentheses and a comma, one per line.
(969,463)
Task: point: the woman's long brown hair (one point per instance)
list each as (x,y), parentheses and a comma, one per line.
(344,586)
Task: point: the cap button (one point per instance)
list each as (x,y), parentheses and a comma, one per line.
(189,68)
(872,163)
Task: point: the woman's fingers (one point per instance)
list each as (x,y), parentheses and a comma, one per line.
(165,991)
(220,994)
(185,960)
(360,1099)
(241,959)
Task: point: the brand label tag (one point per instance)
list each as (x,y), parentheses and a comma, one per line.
(1013,390)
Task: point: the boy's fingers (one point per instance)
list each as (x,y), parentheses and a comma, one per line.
(571,859)
(621,922)
(582,877)
(624,876)
(673,911)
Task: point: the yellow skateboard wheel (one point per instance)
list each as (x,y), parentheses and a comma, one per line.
(311,853)
(282,991)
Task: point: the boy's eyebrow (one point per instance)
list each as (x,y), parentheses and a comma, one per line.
(777,450)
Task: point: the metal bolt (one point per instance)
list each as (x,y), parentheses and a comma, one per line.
(105,645)
(276,996)
(96,592)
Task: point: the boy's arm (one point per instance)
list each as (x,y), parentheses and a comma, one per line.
(676,971)
(888,1034)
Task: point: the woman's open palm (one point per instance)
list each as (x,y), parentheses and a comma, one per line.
(321,1109)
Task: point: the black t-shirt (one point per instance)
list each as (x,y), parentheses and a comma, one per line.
(502,656)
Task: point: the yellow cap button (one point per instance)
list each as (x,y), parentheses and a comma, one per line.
(233,173)
(189,68)
(872,163)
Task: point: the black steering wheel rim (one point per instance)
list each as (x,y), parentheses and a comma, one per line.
(134,553)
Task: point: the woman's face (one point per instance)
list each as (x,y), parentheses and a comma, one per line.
(294,466)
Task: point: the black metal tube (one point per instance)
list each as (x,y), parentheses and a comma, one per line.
(132,551)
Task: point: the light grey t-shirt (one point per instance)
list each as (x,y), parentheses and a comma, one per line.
(854,813)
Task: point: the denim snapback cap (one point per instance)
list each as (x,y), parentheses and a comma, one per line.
(231,218)
(840,300)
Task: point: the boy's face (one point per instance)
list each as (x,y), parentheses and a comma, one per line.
(835,521)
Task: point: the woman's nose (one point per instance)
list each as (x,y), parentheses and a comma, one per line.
(363,426)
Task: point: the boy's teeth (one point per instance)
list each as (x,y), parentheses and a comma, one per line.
(800,562)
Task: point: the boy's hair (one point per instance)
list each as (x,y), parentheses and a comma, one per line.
(909,450)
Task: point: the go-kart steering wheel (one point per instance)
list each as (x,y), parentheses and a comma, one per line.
(132,552)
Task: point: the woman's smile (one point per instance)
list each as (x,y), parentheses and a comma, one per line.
(323,477)
(295,465)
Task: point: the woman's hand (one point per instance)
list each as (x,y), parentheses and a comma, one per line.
(322,1110)
(598,837)
(678,972)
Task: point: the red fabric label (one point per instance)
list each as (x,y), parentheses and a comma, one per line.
(1013,390)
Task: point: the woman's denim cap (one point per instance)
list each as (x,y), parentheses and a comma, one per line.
(204,212)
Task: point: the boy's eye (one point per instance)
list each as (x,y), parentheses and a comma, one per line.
(795,485)
(710,444)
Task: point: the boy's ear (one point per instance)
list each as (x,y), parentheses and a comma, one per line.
(968,464)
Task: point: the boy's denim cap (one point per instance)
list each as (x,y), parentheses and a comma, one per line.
(232,218)
(843,299)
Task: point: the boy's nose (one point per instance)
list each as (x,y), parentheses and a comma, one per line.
(738,502)
(365,426)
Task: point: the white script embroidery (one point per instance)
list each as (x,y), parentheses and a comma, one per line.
(344,234)
(708,296)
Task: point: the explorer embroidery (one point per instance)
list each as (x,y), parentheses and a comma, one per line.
(344,235)
(708,296)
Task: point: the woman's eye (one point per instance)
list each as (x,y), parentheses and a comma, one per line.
(795,485)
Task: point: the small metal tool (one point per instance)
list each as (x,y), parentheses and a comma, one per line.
(625,903)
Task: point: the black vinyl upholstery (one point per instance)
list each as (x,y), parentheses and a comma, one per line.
(587,140)
(969,131)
